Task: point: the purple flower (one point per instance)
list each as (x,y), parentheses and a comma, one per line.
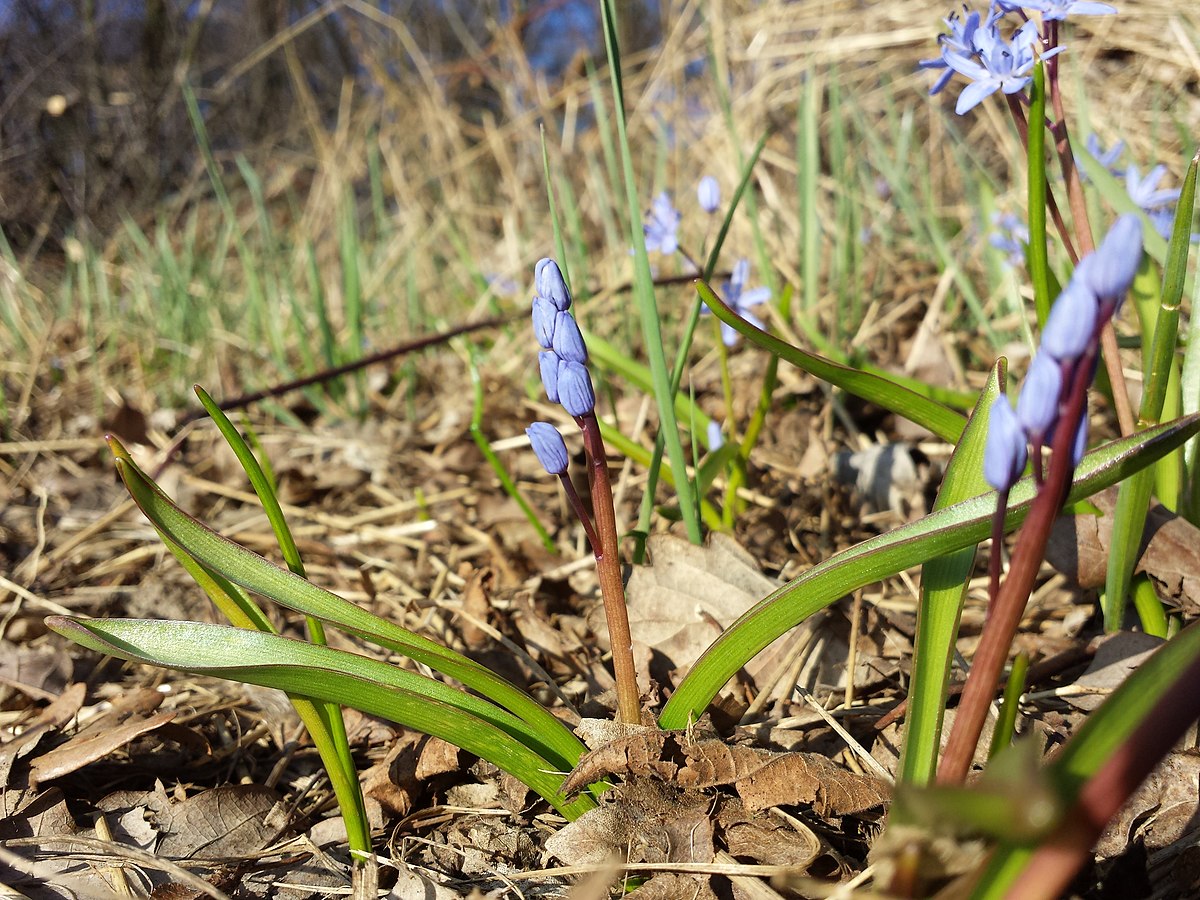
(740,300)
(708,192)
(568,341)
(995,64)
(1037,404)
(716,440)
(961,40)
(1145,192)
(1107,158)
(548,366)
(661,226)
(1011,236)
(1154,202)
(575,389)
(1060,9)
(544,314)
(1109,272)
(549,447)
(1005,452)
(548,282)
(1071,325)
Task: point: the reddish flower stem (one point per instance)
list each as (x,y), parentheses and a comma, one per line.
(608,570)
(1008,605)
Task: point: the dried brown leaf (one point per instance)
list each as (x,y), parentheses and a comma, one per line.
(1160,812)
(229,820)
(1170,554)
(681,602)
(765,778)
(87,747)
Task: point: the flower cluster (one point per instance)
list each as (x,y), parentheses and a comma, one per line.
(976,49)
(1093,295)
(562,361)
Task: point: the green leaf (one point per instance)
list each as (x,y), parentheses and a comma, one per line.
(940,419)
(332,676)
(643,287)
(1039,261)
(944,582)
(941,532)
(249,570)
(349,793)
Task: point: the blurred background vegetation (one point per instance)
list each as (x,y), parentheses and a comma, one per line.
(240,191)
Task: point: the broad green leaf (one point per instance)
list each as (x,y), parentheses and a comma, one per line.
(349,794)
(254,573)
(941,420)
(336,677)
(943,588)
(1105,731)
(941,532)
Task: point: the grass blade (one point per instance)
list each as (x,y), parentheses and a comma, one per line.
(941,420)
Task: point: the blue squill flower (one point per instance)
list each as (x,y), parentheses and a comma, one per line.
(662,226)
(1109,272)
(740,300)
(1005,452)
(1060,9)
(575,391)
(961,40)
(708,192)
(1144,191)
(549,447)
(562,361)
(1011,236)
(996,64)
(568,341)
(1107,158)
(1071,325)
(544,314)
(548,282)
(1037,404)
(548,366)
(1155,203)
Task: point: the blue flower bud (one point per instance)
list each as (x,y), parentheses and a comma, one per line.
(548,365)
(1110,270)
(1071,325)
(708,192)
(1005,452)
(716,440)
(549,447)
(568,342)
(575,391)
(548,282)
(1037,404)
(543,321)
